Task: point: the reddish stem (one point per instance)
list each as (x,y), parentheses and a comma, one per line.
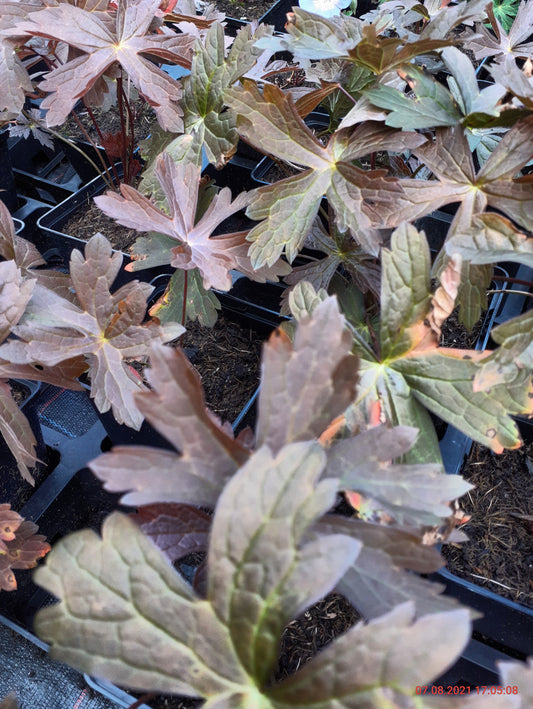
(91,141)
(508,279)
(120,101)
(184,309)
(142,700)
(130,133)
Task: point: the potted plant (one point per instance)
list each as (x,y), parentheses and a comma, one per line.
(344,386)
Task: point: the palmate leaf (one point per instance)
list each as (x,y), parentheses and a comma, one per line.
(209,453)
(193,246)
(208,456)
(339,250)
(492,238)
(270,121)
(106,328)
(312,36)
(104,43)
(263,570)
(201,304)
(433,104)
(203,98)
(14,78)
(260,577)
(509,41)
(450,159)
(20,546)
(412,372)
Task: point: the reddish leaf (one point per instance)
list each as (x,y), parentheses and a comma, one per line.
(177,529)
(22,552)
(123,40)
(194,246)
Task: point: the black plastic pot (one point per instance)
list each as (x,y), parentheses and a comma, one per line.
(27,213)
(277,15)
(42,173)
(56,244)
(505,624)
(7,180)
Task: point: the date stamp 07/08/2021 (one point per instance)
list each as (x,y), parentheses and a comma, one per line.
(466,689)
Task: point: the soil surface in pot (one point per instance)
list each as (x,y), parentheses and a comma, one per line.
(87,220)
(499,553)
(242,9)
(109,122)
(227,357)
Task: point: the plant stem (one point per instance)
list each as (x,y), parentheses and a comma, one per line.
(120,101)
(510,292)
(184,307)
(142,700)
(130,132)
(509,279)
(91,141)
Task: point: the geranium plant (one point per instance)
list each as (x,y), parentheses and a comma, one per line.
(346,387)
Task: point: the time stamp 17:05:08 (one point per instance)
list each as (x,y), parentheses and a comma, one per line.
(465,689)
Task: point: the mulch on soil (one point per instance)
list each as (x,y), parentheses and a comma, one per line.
(243,9)
(499,553)
(88,219)
(109,122)
(227,359)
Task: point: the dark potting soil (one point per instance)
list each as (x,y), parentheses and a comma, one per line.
(109,122)
(499,553)
(302,639)
(227,358)
(305,636)
(456,335)
(87,220)
(243,9)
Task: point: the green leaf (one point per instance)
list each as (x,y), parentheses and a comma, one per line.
(283,497)
(269,120)
(203,97)
(143,625)
(412,372)
(139,624)
(510,360)
(492,238)
(432,106)
(406,294)
(201,304)
(313,37)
